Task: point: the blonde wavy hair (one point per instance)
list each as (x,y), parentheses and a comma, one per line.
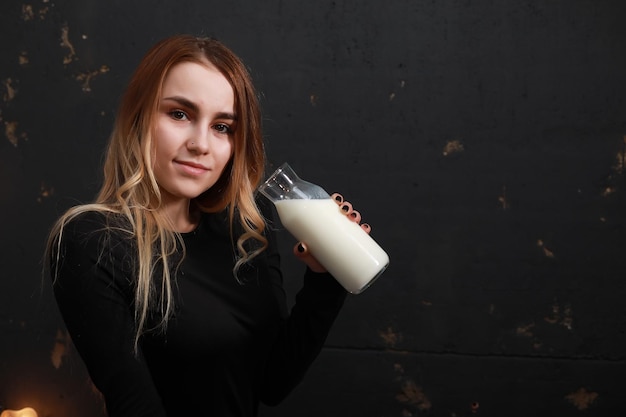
(129,186)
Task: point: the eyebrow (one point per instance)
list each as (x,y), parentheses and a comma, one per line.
(194,107)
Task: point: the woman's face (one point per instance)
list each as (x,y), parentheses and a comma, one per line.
(194,131)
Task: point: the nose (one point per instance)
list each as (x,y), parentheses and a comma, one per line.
(199,140)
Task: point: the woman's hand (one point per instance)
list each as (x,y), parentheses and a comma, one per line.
(302,252)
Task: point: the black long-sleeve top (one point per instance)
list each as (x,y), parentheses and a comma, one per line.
(229,345)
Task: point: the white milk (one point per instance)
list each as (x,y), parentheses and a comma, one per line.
(339,244)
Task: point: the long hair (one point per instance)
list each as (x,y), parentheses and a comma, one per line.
(130,188)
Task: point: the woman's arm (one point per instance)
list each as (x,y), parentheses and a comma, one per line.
(303,332)
(94,292)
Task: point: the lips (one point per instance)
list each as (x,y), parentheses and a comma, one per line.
(191,167)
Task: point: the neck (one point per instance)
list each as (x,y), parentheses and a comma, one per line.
(183,216)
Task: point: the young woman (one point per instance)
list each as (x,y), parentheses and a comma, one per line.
(170,282)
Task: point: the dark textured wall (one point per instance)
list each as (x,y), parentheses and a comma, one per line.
(484,141)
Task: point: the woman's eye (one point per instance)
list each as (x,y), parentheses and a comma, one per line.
(178,115)
(222,128)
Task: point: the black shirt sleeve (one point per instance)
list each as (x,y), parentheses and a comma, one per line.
(93,289)
(304,330)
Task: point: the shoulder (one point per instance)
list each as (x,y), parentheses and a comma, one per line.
(94,221)
(93,227)
(91,238)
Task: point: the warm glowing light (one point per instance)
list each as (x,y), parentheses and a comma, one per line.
(24,412)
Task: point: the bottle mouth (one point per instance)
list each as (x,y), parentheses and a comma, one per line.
(279,184)
(285,184)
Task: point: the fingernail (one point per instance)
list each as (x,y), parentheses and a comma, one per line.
(339,198)
(353,215)
(345,208)
(300,248)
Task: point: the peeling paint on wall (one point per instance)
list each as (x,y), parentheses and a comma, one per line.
(393,93)
(413,395)
(608,191)
(582,399)
(65,42)
(85,78)
(526,330)
(23,58)
(10,130)
(453,146)
(561,315)
(390,337)
(620,159)
(11,91)
(44,192)
(43,12)
(410,394)
(27,12)
(547,252)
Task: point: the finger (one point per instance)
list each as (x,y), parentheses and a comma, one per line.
(366,227)
(338,198)
(302,252)
(355,216)
(346,207)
